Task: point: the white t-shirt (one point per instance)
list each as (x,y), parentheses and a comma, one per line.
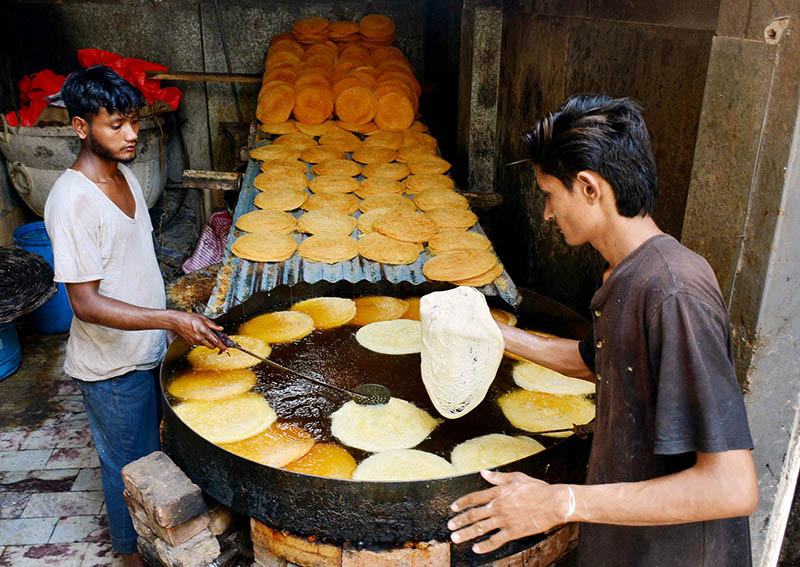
(94,240)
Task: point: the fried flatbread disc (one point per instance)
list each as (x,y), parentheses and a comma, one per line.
(205,358)
(458,265)
(394,171)
(538,378)
(278,326)
(387,201)
(326,460)
(314,222)
(328,247)
(431,165)
(266,221)
(337,167)
(313,104)
(296,140)
(379,248)
(493,450)
(347,141)
(413,308)
(398,336)
(372,308)
(378,186)
(395,112)
(321,153)
(374,154)
(334,184)
(366,220)
(272,151)
(367,128)
(536,411)
(284,165)
(407,226)
(356,104)
(212,384)
(344,202)
(327,312)
(286,127)
(403,465)
(227,420)
(483,279)
(275,103)
(452,218)
(280,199)
(418,126)
(385,139)
(394,425)
(409,152)
(278,446)
(502,316)
(423,182)
(458,239)
(440,199)
(264,247)
(327,127)
(286,179)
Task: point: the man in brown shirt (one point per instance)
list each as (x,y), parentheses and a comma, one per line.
(670,478)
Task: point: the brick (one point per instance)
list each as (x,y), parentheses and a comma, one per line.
(163,490)
(293,548)
(424,554)
(265,558)
(147,527)
(199,551)
(540,555)
(221,519)
(148,551)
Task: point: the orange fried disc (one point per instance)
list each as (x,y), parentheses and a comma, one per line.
(386,201)
(272,151)
(278,446)
(312,80)
(278,326)
(326,460)
(283,165)
(280,199)
(407,226)
(423,182)
(327,312)
(314,222)
(396,171)
(266,220)
(264,247)
(428,164)
(483,279)
(286,127)
(418,126)
(458,265)
(375,25)
(311,26)
(285,43)
(316,130)
(440,198)
(296,140)
(374,154)
(385,139)
(367,128)
(328,247)
(344,202)
(313,105)
(275,58)
(453,239)
(395,112)
(379,186)
(373,308)
(275,104)
(337,167)
(345,83)
(452,218)
(409,152)
(367,220)
(333,184)
(343,28)
(347,141)
(321,153)
(283,179)
(413,309)
(379,248)
(384,53)
(357,105)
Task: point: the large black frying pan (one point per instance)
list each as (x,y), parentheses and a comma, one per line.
(359,512)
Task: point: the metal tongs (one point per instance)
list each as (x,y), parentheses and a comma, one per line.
(581,431)
(365,394)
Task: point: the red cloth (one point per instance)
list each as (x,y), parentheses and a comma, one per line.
(211,245)
(32,92)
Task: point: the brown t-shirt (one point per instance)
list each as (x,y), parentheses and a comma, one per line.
(662,352)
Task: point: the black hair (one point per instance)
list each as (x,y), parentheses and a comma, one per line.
(86,91)
(602,134)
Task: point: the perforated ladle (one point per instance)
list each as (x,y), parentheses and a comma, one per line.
(365,394)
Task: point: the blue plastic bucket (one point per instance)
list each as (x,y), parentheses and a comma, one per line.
(10,353)
(54,316)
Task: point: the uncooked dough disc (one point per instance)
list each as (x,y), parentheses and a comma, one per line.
(403,464)
(535,411)
(538,378)
(399,336)
(228,420)
(210,359)
(394,425)
(212,384)
(493,450)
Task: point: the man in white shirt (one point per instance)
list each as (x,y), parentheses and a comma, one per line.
(101,232)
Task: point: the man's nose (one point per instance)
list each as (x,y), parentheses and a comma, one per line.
(548,212)
(131,133)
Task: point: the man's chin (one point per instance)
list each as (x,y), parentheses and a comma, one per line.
(127,160)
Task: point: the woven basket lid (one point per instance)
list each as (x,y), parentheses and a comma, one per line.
(26,282)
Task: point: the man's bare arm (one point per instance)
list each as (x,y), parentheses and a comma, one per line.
(91,307)
(558,354)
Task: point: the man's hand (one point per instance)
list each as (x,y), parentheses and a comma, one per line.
(517,506)
(196,329)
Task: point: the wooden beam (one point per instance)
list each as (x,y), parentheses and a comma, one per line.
(214,180)
(483,200)
(208,77)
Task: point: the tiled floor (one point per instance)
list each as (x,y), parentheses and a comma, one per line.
(52,511)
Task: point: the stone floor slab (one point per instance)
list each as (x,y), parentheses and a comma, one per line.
(81,528)
(55,480)
(24,460)
(73,457)
(64,504)
(101,555)
(57,438)
(88,479)
(13,440)
(48,555)
(12,504)
(26,531)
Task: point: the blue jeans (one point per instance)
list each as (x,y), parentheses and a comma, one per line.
(123,416)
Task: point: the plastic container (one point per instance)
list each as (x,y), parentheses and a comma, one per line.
(10,353)
(55,316)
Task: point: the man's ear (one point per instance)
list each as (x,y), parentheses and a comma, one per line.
(591,185)
(81,126)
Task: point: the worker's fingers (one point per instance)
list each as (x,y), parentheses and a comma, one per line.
(470,517)
(478,529)
(497,478)
(475,499)
(496,541)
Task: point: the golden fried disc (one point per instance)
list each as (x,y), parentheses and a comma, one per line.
(387,201)
(536,411)
(374,154)
(295,140)
(314,222)
(377,308)
(266,221)
(327,127)
(538,378)
(379,248)
(414,138)
(428,164)
(272,151)
(280,199)
(334,184)
(278,326)
(449,218)
(394,425)
(264,247)
(493,450)
(403,465)
(379,186)
(452,239)
(284,165)
(321,153)
(284,179)
(328,247)
(409,152)
(347,141)
(502,316)
(458,265)
(327,312)
(483,279)
(281,128)
(277,446)
(423,182)
(407,226)
(440,199)
(344,202)
(210,359)
(326,460)
(395,336)
(337,167)
(212,384)
(367,128)
(385,139)
(413,308)
(395,171)
(418,126)
(227,420)
(366,220)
